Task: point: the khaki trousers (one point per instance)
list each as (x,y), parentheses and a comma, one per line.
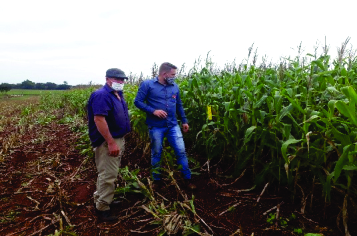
(107,168)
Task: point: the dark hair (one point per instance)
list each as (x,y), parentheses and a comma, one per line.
(166,67)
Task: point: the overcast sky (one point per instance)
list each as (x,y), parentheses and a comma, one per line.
(77,41)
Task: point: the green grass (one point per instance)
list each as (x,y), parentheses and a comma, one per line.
(31,92)
(22,94)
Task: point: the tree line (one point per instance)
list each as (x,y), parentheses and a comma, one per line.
(27,84)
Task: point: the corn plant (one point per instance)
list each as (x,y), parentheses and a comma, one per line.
(280,122)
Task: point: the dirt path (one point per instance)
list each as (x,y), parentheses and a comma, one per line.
(46,185)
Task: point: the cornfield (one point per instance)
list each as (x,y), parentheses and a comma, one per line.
(292,125)
(289,124)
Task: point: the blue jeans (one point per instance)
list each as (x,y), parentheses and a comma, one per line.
(174,136)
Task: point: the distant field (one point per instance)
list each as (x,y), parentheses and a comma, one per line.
(19,94)
(31,92)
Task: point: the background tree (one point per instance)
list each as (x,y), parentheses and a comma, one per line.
(27,84)
(5,87)
(40,86)
(50,86)
(63,86)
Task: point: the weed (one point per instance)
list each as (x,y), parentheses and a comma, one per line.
(298,231)
(67,231)
(282,222)
(9,217)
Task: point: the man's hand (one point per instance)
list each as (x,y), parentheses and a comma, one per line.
(160,113)
(185,128)
(103,129)
(113,149)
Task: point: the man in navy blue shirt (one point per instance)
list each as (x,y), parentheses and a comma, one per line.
(108,122)
(160,99)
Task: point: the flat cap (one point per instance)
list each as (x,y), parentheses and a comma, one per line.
(115,73)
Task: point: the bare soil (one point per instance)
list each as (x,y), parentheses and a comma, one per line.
(46,185)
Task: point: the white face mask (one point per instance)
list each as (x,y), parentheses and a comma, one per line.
(117,86)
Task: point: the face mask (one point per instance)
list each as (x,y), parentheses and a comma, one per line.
(170,80)
(117,86)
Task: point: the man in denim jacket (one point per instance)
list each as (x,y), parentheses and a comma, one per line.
(160,99)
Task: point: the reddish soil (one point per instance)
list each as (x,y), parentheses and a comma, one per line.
(46,183)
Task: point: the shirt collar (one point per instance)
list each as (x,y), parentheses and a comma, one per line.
(110,90)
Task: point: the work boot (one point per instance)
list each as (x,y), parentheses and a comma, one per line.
(113,204)
(189,184)
(104,216)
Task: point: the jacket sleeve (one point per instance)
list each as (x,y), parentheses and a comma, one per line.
(141,97)
(179,109)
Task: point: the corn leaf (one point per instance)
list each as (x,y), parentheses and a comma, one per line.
(248,134)
(285,146)
(344,109)
(342,161)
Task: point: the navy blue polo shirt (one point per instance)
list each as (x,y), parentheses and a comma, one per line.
(103,102)
(152,95)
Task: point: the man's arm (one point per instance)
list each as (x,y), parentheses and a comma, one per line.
(103,129)
(141,98)
(181,113)
(140,102)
